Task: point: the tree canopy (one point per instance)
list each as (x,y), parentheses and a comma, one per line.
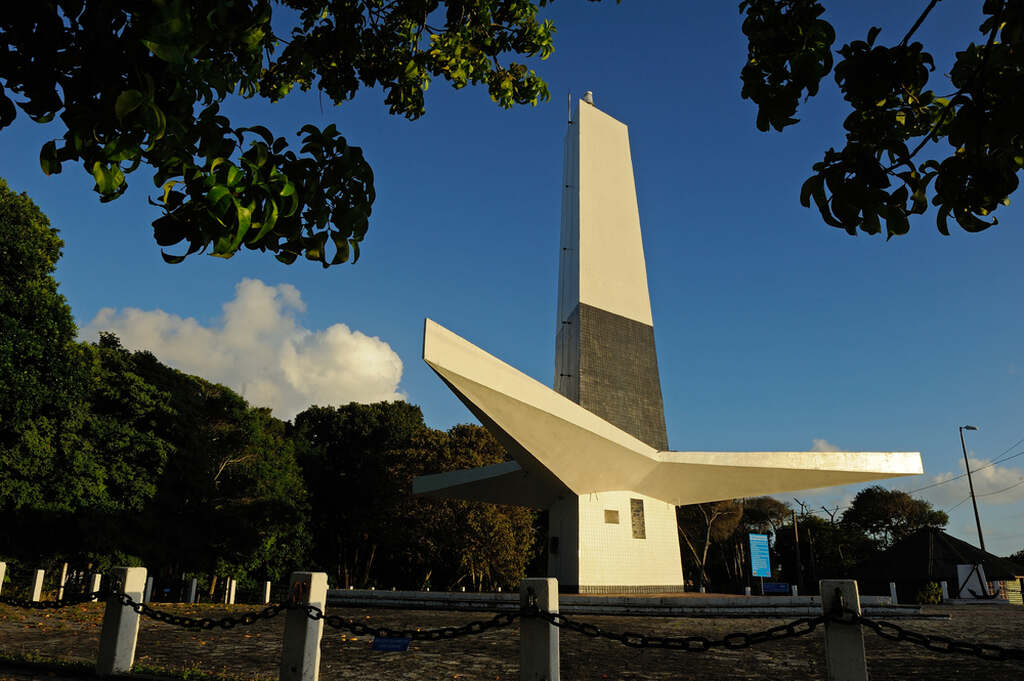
(142,84)
(896,112)
(43,370)
(888,516)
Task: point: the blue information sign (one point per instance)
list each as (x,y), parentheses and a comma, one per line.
(760,563)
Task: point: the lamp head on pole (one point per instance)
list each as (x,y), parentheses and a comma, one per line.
(968,427)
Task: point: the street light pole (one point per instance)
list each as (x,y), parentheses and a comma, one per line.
(967,464)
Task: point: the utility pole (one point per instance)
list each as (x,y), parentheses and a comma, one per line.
(967,464)
(796,550)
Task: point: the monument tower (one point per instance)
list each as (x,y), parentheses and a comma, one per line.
(594,451)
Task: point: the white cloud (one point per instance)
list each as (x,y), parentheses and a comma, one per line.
(259,349)
(822,445)
(993,484)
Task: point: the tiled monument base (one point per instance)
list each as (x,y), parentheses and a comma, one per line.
(614,542)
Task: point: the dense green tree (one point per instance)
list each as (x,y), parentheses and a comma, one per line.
(346,454)
(44,373)
(156,74)
(486,545)
(886,516)
(359,462)
(878,176)
(231,499)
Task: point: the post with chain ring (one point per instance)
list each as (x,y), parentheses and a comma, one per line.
(844,640)
(300,656)
(120,622)
(538,638)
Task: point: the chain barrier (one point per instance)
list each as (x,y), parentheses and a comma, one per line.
(207,623)
(50,605)
(934,642)
(478,627)
(690,644)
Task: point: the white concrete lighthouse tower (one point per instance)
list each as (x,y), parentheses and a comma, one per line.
(605,361)
(594,450)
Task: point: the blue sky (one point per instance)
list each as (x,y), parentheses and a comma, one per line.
(774,331)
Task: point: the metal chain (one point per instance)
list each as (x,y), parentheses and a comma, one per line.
(250,617)
(688,644)
(50,605)
(936,643)
(478,627)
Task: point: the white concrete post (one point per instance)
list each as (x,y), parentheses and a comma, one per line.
(192,590)
(230,595)
(538,640)
(844,643)
(945,591)
(892,593)
(63,580)
(300,654)
(266,592)
(796,590)
(147,595)
(37,585)
(94,584)
(120,623)
(3,571)
(746,591)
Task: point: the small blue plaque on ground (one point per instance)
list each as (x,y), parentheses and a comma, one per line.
(760,563)
(776,588)
(390,645)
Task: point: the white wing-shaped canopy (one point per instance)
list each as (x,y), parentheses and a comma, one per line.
(560,447)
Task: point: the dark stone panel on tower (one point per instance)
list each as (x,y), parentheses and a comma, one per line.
(618,373)
(567,357)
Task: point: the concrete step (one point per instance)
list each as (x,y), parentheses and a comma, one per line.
(654,606)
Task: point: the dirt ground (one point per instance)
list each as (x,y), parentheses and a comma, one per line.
(254,651)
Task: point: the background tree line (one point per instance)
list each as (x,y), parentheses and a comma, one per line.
(110,456)
(806,546)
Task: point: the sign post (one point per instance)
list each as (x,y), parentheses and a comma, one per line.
(760,562)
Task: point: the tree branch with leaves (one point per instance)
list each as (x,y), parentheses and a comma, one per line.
(142,83)
(876,177)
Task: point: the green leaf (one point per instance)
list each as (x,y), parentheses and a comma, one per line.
(217,193)
(234,175)
(810,185)
(174,54)
(127,101)
(171,259)
(108,178)
(942,220)
(268,223)
(48,158)
(896,223)
(167,188)
(341,246)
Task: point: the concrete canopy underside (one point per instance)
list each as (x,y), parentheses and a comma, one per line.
(544,432)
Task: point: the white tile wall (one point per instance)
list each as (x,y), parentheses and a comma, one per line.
(610,556)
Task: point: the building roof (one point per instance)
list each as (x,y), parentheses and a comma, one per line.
(931,554)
